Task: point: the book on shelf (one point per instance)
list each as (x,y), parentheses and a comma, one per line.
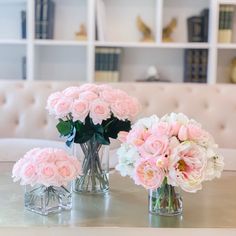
(23,24)
(107,64)
(195,65)
(100,20)
(225,30)
(197,27)
(23,61)
(44,19)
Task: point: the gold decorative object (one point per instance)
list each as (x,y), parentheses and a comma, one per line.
(233,71)
(82,34)
(145,30)
(168,30)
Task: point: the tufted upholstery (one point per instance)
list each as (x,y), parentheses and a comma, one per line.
(23,114)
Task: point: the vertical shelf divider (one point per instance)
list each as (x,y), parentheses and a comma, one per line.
(159,20)
(91,40)
(30,40)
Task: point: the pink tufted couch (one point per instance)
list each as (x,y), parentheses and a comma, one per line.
(23,114)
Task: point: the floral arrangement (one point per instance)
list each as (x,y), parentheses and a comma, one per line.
(173,149)
(92,110)
(47,166)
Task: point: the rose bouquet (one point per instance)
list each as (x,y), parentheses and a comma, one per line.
(90,115)
(162,154)
(47,174)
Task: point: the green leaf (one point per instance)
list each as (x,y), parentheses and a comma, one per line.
(117,126)
(84,136)
(64,127)
(102,139)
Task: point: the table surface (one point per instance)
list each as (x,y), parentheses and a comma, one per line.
(125,206)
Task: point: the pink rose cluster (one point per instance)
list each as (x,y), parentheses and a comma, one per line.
(174,147)
(97,101)
(47,166)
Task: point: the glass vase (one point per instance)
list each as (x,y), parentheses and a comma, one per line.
(45,200)
(95,167)
(165,201)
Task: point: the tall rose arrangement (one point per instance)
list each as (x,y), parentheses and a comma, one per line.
(173,149)
(92,110)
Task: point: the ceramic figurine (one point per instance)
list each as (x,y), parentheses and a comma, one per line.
(168,30)
(82,34)
(145,30)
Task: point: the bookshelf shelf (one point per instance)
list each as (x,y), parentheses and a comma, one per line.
(60,42)
(64,58)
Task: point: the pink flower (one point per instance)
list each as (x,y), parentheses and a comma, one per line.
(48,174)
(120,109)
(137,136)
(80,110)
(72,92)
(187,166)
(133,107)
(183,133)
(122,136)
(63,107)
(89,96)
(99,111)
(148,174)
(28,174)
(154,146)
(66,170)
(161,128)
(195,132)
(89,87)
(52,101)
(109,95)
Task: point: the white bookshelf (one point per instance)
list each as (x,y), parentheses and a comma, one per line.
(64,58)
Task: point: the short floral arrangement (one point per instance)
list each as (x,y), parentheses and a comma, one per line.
(92,110)
(90,115)
(171,151)
(47,174)
(47,166)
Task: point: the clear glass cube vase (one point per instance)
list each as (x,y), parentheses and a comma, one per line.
(46,200)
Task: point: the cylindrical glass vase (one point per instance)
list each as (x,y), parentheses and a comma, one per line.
(45,200)
(94,157)
(165,201)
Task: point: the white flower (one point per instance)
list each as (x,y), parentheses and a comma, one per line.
(175,117)
(146,122)
(127,157)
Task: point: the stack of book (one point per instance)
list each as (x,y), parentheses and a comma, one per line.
(195,65)
(107,64)
(23,24)
(44,19)
(198,27)
(226,16)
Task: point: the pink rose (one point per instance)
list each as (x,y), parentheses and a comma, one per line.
(161,128)
(154,146)
(63,107)
(148,174)
(137,136)
(52,101)
(120,109)
(28,174)
(99,111)
(48,174)
(80,110)
(66,170)
(89,87)
(89,96)
(122,136)
(72,92)
(109,96)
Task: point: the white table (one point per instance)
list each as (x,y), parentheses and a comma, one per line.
(124,211)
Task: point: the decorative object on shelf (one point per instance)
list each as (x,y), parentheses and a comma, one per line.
(47,174)
(167,153)
(23,24)
(153,75)
(195,65)
(107,64)
(89,116)
(233,71)
(145,30)
(198,27)
(81,35)
(168,31)
(44,19)
(226,16)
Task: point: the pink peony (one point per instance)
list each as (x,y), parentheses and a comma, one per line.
(137,136)
(99,111)
(80,110)
(148,174)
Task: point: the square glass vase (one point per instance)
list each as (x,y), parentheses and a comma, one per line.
(46,200)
